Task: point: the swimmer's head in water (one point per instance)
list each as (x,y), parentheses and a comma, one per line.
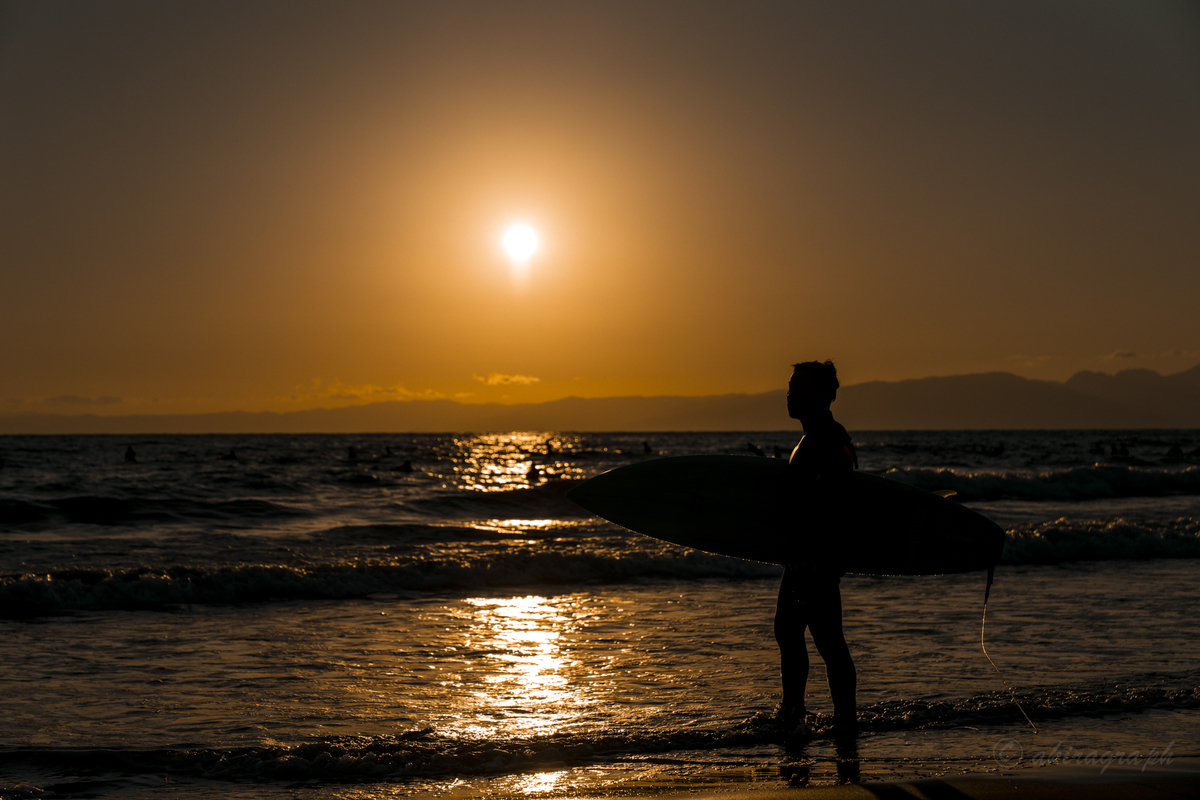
(814,385)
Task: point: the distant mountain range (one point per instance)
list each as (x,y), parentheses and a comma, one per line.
(1134,398)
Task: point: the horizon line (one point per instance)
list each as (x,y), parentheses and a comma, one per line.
(417,399)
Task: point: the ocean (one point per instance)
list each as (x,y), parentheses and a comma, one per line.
(398,615)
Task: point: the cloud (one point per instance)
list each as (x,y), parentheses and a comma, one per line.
(1115,354)
(357,393)
(79,400)
(496,379)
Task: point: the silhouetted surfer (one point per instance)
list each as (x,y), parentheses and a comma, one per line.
(130,456)
(809,597)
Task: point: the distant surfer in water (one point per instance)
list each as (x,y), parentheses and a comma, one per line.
(809,597)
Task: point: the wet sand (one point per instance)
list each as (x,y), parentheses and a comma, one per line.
(1181,779)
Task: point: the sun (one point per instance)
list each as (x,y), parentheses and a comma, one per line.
(520,242)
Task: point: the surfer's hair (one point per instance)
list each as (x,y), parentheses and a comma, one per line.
(822,374)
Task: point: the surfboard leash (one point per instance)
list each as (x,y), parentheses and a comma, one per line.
(987,591)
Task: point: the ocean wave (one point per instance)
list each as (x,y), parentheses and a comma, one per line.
(430,558)
(147,588)
(1093,482)
(1043,704)
(429,752)
(545,499)
(1064,540)
(111,511)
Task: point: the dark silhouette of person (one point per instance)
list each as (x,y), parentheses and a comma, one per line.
(352,454)
(406,466)
(1124,451)
(130,456)
(646,448)
(1175,452)
(809,596)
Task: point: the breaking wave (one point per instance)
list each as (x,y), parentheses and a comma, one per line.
(147,588)
(491,560)
(1116,539)
(1079,483)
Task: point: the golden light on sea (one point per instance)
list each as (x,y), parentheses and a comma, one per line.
(529,687)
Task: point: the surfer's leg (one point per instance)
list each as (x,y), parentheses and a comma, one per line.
(825,622)
(790,623)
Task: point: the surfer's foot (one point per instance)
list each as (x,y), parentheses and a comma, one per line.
(790,715)
(845,728)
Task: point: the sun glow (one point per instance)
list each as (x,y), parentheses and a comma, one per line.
(520,242)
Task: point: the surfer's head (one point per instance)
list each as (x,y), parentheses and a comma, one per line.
(813,386)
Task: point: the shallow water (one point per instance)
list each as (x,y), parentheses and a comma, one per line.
(292,617)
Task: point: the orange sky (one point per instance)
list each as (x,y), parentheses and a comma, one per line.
(268,206)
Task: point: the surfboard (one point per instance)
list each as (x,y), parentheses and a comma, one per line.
(756,509)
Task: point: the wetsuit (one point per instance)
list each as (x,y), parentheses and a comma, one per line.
(809,597)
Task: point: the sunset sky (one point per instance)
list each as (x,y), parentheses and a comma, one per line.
(210,206)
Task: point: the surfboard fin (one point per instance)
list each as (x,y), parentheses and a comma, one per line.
(945,492)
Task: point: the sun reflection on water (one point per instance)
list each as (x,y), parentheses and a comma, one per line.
(540,782)
(502,462)
(511,525)
(531,689)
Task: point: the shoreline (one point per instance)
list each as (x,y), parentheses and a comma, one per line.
(1180,779)
(1132,784)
